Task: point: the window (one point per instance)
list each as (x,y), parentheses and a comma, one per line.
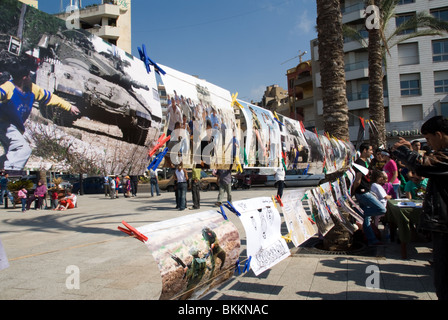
(410,84)
(440,50)
(408,54)
(399,20)
(444,109)
(441,14)
(441,82)
(405,1)
(412,112)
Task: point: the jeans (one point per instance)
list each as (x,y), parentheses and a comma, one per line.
(372,207)
(195,194)
(154,185)
(2,196)
(225,187)
(17,149)
(182,195)
(280,187)
(23,200)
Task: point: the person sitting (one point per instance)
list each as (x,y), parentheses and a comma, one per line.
(68,202)
(39,195)
(415,188)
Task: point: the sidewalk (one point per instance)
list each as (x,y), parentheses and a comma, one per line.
(43,246)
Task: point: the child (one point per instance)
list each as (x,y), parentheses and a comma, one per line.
(379,178)
(54,198)
(22,196)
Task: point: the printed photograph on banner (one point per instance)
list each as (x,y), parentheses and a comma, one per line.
(201,122)
(333,207)
(330,159)
(86,104)
(195,253)
(316,157)
(295,149)
(261,221)
(260,137)
(297,221)
(321,215)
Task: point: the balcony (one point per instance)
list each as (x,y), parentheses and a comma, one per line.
(353,13)
(106,32)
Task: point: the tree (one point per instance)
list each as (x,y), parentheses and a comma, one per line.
(335,107)
(332,68)
(381,38)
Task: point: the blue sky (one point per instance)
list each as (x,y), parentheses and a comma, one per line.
(239,45)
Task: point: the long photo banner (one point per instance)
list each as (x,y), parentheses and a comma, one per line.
(198,252)
(89,104)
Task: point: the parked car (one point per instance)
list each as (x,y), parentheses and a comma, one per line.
(91,185)
(250,178)
(296,178)
(207,182)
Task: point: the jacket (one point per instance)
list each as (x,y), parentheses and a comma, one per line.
(434,167)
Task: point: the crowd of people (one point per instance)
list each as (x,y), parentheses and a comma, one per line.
(412,172)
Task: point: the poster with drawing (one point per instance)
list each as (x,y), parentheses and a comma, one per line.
(294,145)
(299,225)
(94,104)
(194,253)
(261,221)
(201,122)
(261,137)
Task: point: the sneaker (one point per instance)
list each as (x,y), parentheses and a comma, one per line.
(218,204)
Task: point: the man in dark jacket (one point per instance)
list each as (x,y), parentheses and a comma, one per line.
(435,215)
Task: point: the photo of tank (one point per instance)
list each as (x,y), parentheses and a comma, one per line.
(96,82)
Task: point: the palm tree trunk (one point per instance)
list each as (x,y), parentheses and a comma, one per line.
(376,94)
(332,68)
(335,107)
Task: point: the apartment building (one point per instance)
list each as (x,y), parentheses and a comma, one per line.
(109,20)
(416,73)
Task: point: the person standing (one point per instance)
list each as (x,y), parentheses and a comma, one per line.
(134,185)
(4,189)
(371,206)
(391,169)
(225,185)
(22,194)
(154,180)
(181,178)
(106,186)
(435,213)
(280,181)
(113,186)
(196,188)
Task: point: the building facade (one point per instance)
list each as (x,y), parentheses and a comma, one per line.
(416,72)
(109,20)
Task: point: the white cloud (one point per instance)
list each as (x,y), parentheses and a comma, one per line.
(304,24)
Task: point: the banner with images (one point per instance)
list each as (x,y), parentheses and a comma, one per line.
(261,221)
(320,213)
(316,156)
(87,105)
(297,221)
(261,138)
(296,151)
(194,253)
(333,207)
(201,122)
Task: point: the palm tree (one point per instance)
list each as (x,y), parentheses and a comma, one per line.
(335,107)
(332,68)
(422,23)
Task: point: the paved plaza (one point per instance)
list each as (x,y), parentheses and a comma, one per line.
(43,246)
